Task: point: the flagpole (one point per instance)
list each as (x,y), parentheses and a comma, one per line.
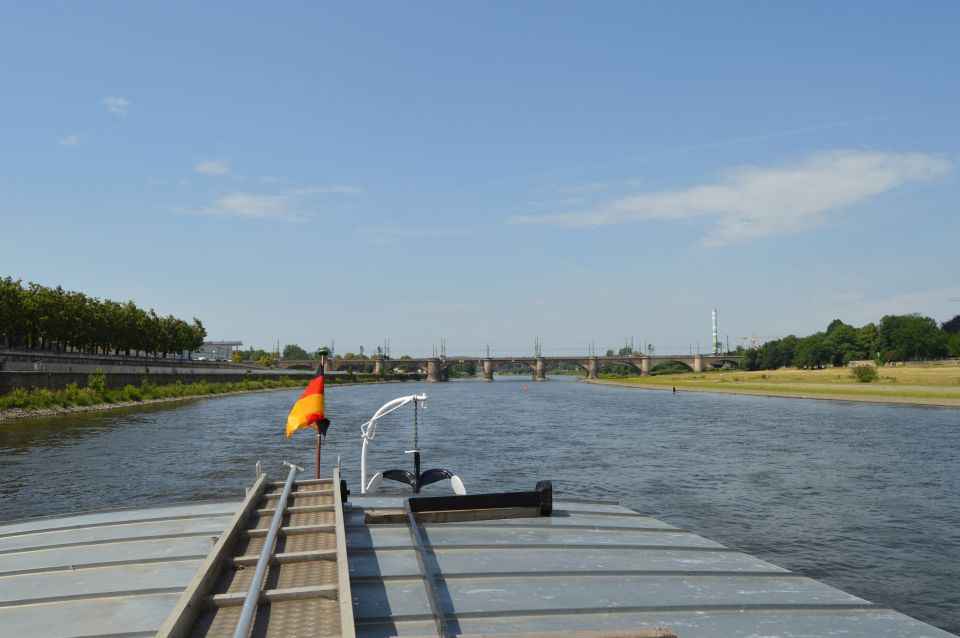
(323,425)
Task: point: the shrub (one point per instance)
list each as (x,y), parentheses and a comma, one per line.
(16,399)
(132,393)
(97,381)
(864,374)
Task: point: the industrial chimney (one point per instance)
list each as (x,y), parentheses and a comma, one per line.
(716,342)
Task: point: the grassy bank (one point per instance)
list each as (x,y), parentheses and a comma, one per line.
(22,402)
(927,385)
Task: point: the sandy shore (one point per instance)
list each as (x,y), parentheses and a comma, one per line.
(793,393)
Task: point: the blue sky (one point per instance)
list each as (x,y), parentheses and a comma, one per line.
(486,172)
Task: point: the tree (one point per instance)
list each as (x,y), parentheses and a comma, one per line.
(813,352)
(869,338)
(844,345)
(907,337)
(952,326)
(293,351)
(953,345)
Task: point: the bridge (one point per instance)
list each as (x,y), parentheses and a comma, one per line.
(437,368)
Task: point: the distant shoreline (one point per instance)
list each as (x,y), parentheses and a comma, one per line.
(790,394)
(18,414)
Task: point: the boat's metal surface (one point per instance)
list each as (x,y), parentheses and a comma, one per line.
(590,566)
(112,572)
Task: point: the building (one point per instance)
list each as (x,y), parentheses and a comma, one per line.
(216,350)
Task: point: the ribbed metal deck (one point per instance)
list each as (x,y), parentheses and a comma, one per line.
(306,590)
(591,566)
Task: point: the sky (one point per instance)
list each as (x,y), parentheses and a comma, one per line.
(486,173)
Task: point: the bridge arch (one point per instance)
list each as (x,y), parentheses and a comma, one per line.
(723,364)
(634,366)
(530,365)
(556,362)
(675,362)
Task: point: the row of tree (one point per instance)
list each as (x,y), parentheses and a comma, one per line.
(896,338)
(38,317)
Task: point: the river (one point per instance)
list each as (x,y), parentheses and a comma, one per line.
(865,497)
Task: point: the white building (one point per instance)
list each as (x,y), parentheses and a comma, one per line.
(217,350)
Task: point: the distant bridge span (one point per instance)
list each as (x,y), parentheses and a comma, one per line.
(437,367)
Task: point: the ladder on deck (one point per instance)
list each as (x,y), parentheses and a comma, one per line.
(278,569)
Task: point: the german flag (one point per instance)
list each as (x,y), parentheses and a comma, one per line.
(308,410)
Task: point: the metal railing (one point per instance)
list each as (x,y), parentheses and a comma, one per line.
(253,593)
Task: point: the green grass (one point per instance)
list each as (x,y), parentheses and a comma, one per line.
(917,383)
(96,392)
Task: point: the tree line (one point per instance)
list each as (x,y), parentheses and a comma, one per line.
(42,318)
(895,338)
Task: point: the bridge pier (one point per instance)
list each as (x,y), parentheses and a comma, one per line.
(539,370)
(488,370)
(698,363)
(378,367)
(592,368)
(644,366)
(435,371)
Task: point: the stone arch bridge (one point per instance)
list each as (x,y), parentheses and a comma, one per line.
(437,367)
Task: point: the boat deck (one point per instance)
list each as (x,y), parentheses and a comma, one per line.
(591,566)
(590,569)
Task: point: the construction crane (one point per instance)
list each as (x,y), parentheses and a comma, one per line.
(753,339)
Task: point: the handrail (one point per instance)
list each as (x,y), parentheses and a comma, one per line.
(253,593)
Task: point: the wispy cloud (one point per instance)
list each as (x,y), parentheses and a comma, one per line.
(115,105)
(70,140)
(219,168)
(386,234)
(753,202)
(291,205)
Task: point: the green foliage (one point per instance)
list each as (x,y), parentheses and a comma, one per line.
(953,345)
(98,393)
(669,367)
(897,338)
(97,381)
(54,318)
(951,326)
(293,351)
(864,373)
(907,337)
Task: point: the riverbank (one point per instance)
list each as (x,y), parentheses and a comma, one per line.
(926,385)
(43,403)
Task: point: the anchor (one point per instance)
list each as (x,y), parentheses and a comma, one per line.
(416,479)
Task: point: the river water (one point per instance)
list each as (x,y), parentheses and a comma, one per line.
(865,497)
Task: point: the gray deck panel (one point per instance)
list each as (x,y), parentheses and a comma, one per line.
(566,519)
(108,517)
(873,623)
(132,597)
(114,532)
(526,594)
(116,552)
(382,600)
(440,535)
(96,581)
(560,518)
(395,563)
(90,617)
(491,584)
